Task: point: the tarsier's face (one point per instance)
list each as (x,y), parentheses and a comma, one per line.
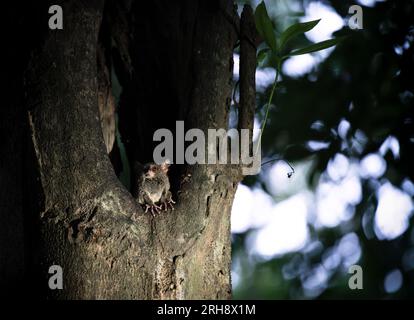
(152,170)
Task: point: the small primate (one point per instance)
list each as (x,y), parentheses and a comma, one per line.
(153,187)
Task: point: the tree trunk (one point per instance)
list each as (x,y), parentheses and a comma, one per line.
(174,62)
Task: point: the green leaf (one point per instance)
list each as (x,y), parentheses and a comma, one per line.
(316,47)
(264,26)
(295,30)
(262,55)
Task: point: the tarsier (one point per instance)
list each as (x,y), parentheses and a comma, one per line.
(153,187)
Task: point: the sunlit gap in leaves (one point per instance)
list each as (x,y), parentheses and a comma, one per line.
(393,281)
(369,3)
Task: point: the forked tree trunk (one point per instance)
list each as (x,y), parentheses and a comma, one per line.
(89,223)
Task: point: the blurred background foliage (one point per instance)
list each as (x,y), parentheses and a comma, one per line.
(344,119)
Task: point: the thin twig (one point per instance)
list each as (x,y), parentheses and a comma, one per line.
(267,108)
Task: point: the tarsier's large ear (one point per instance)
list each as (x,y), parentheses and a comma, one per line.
(165,166)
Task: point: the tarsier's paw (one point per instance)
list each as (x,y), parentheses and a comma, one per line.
(168,204)
(153,209)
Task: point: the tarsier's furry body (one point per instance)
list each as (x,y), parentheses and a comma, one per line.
(153,187)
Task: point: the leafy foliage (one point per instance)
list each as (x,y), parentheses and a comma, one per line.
(265,27)
(295,30)
(367,81)
(315,47)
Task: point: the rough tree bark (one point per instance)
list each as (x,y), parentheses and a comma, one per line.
(173,58)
